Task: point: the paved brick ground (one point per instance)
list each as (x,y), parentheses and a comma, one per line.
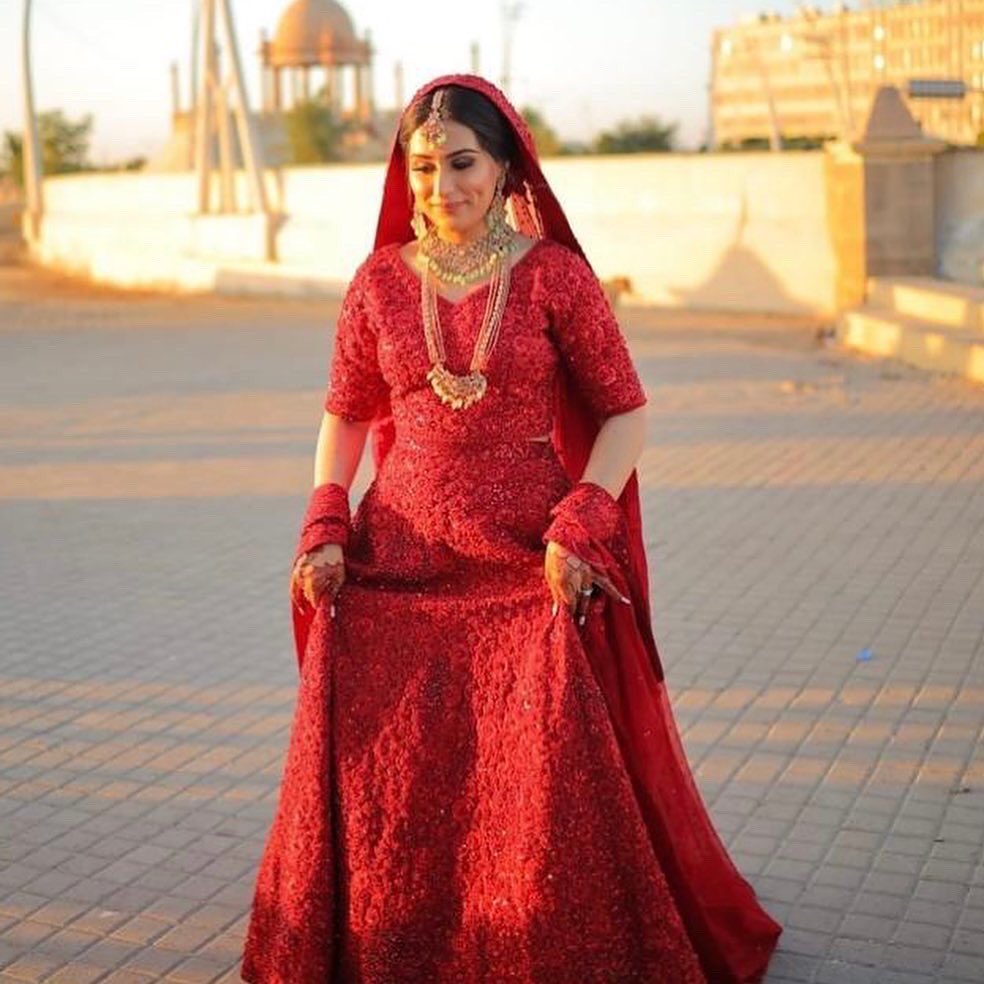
(816,534)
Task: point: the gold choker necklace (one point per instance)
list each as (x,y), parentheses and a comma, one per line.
(466,263)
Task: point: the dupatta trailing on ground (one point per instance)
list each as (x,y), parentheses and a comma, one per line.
(732,934)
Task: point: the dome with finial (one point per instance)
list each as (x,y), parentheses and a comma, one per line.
(316,32)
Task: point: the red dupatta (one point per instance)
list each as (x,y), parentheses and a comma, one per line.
(733,936)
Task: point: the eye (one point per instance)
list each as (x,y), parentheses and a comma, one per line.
(462,164)
(422,168)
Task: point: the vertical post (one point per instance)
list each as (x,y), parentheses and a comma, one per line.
(227,164)
(510,15)
(360,99)
(475,59)
(196,22)
(398,84)
(31,149)
(247,135)
(175,90)
(265,97)
(369,90)
(204,116)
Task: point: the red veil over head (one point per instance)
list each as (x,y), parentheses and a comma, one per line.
(733,936)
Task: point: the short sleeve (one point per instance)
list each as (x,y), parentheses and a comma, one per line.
(356,387)
(591,342)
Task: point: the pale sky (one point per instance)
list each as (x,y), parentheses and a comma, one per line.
(584,65)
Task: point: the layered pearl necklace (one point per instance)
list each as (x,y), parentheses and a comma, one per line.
(460,392)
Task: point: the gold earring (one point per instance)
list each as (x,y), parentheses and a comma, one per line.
(495,217)
(418,223)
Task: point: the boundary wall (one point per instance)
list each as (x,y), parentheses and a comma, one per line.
(739,232)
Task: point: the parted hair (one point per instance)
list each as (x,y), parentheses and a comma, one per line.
(471,109)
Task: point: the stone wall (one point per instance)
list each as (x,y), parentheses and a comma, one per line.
(960,215)
(719,231)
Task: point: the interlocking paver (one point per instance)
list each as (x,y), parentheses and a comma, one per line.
(815,526)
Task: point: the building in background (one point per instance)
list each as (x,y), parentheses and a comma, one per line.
(814,74)
(316,42)
(315,55)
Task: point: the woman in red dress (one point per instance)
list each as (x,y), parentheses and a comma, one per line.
(484,781)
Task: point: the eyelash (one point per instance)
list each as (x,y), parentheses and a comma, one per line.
(457,165)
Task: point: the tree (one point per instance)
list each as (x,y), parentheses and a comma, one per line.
(544,136)
(646,134)
(314,134)
(64,146)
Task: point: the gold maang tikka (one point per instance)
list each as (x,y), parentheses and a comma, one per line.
(433,127)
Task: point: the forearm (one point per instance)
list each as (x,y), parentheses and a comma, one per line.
(339,450)
(616,451)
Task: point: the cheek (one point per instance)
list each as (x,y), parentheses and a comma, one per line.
(418,187)
(480,188)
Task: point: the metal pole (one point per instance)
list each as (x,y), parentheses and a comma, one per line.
(175,89)
(252,156)
(398,84)
(31,148)
(195,28)
(510,15)
(203,106)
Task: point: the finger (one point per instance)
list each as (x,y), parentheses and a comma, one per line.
(583,600)
(553,585)
(587,596)
(609,588)
(567,593)
(326,581)
(556,595)
(297,589)
(295,593)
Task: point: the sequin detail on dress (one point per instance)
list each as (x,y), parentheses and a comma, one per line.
(482,826)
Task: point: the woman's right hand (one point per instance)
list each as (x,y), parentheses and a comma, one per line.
(316,573)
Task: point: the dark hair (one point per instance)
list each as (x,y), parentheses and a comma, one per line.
(471,109)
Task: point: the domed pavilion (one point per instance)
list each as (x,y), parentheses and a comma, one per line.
(315,41)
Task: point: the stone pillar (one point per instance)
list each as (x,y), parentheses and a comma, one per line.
(266,98)
(370,92)
(881,199)
(278,91)
(360,103)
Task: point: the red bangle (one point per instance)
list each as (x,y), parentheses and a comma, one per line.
(587,512)
(327,518)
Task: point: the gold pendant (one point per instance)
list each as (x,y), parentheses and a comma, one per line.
(458,392)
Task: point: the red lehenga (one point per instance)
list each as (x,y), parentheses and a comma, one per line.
(476,791)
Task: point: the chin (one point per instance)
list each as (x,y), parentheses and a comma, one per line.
(456,226)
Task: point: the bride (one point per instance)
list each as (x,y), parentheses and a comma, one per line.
(484,781)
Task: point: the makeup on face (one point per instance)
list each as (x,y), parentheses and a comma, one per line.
(453,185)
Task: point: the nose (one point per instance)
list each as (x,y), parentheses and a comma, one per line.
(443,182)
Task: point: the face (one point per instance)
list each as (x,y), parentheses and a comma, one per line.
(454,184)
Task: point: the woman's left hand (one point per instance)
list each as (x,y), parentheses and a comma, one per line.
(572,581)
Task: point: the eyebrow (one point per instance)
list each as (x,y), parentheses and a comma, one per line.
(457,153)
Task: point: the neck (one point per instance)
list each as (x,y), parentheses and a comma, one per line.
(457,238)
